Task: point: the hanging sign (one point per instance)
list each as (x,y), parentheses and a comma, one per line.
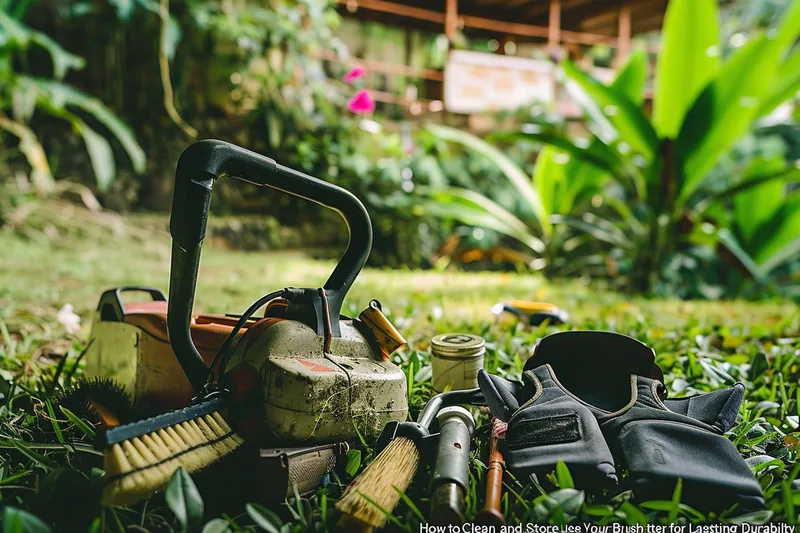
(476,82)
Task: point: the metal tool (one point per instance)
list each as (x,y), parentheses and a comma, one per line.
(450,480)
(491,514)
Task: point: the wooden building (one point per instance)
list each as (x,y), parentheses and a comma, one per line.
(551,29)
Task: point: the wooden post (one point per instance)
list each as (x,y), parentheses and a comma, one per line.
(554,27)
(451,20)
(624,35)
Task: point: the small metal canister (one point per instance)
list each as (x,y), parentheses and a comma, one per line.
(456,359)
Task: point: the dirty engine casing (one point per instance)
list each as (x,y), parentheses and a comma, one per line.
(308,393)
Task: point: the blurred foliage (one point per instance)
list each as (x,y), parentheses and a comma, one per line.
(665,187)
(629,196)
(23,92)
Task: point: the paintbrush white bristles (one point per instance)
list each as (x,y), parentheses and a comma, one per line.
(373,493)
(137,467)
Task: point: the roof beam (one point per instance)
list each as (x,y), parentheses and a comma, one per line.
(592,18)
(400,9)
(499,26)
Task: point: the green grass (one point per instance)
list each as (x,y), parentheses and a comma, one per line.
(701,346)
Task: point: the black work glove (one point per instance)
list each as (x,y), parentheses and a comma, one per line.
(660,441)
(545,425)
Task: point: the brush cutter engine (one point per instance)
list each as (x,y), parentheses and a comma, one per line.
(301,371)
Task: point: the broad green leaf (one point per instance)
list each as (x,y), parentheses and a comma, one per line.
(726,238)
(19,521)
(562,179)
(353,462)
(218,525)
(16,31)
(688,60)
(726,108)
(22,35)
(548,176)
(184,500)
(600,230)
(30,146)
(264,518)
(676,501)
(595,153)
(626,214)
(124,8)
(631,80)
(61,95)
(782,231)
(754,517)
(567,501)
(583,181)
(784,86)
(563,475)
(101,155)
(63,61)
(606,104)
(789,252)
(476,210)
(513,173)
(724,111)
(632,514)
(717,199)
(789,27)
(757,205)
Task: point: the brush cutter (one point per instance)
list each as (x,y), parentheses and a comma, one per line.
(302,372)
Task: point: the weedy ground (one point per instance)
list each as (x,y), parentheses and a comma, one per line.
(49,470)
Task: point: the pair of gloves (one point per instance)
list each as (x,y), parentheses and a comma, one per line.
(588,397)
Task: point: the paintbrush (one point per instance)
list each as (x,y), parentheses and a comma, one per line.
(377,491)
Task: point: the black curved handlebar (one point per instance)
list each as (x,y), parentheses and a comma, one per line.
(199,167)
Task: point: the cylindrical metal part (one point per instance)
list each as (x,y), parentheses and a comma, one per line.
(491,513)
(447,505)
(455,361)
(450,479)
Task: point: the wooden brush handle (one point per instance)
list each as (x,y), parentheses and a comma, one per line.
(491,513)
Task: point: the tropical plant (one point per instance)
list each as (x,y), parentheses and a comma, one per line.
(21,95)
(762,230)
(566,176)
(691,128)
(702,105)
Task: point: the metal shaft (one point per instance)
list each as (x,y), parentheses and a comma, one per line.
(451,471)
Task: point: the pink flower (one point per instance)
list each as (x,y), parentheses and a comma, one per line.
(353,75)
(362,102)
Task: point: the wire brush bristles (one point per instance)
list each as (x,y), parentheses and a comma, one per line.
(377,490)
(142,464)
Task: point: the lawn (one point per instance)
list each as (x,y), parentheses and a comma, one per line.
(701,346)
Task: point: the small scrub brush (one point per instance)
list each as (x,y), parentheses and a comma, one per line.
(140,458)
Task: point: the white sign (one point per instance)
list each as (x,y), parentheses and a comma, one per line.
(475,82)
